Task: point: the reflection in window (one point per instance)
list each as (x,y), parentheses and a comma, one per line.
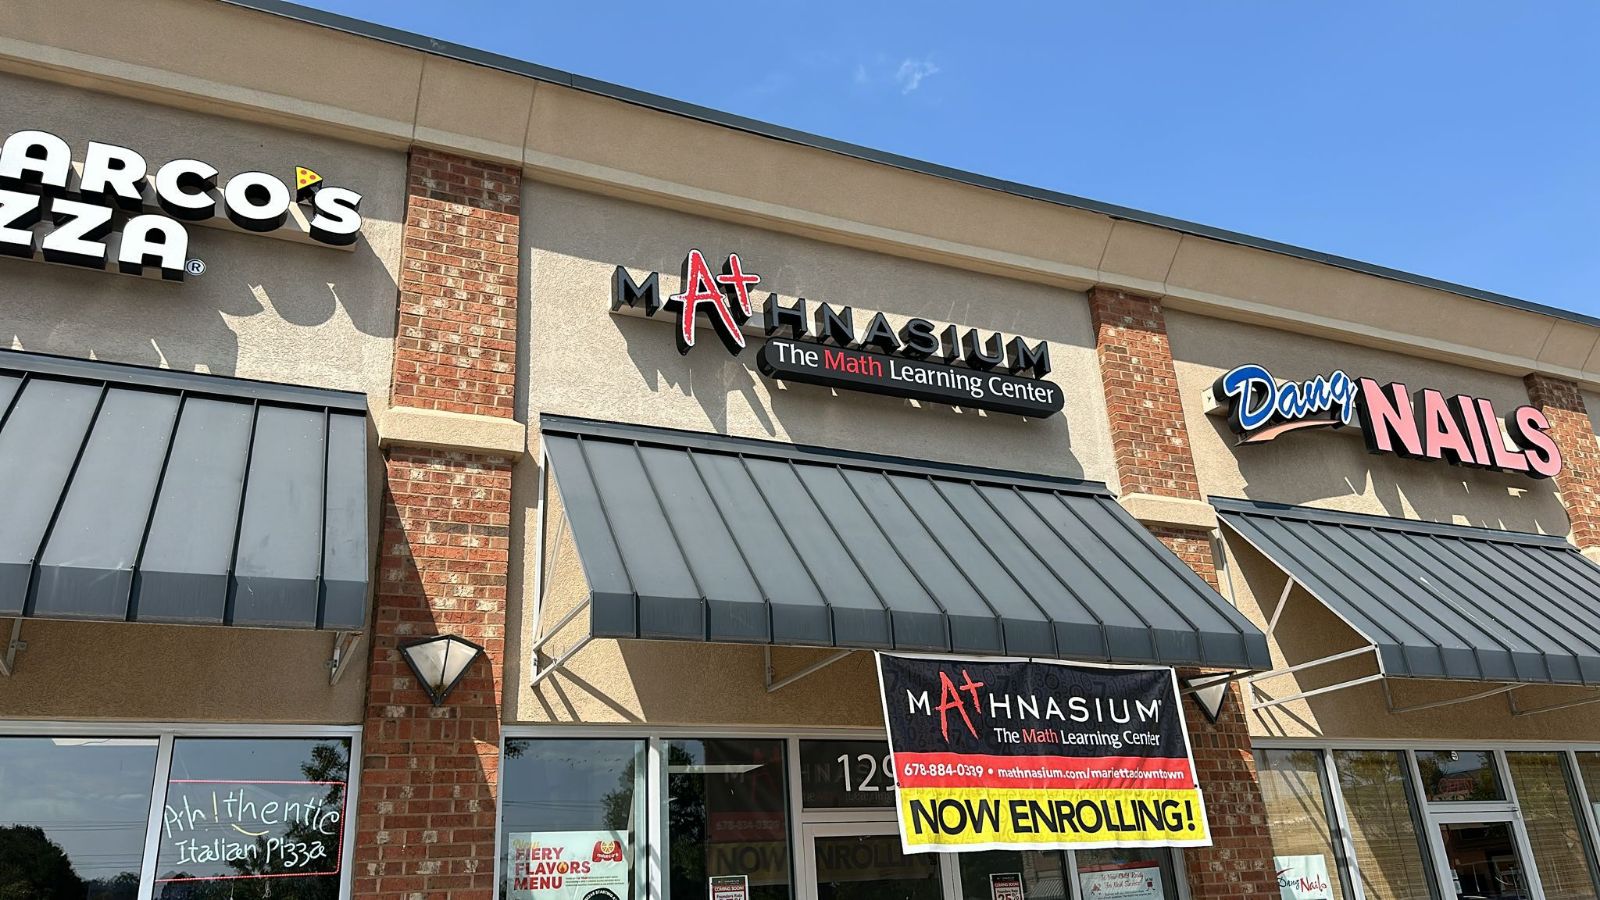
(1388,852)
(871,867)
(1042,874)
(249,818)
(566,800)
(1459,775)
(1552,817)
(1298,816)
(73,813)
(727,814)
(1122,871)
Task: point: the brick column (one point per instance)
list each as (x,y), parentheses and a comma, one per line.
(1579,480)
(1150,444)
(430,776)
(457,344)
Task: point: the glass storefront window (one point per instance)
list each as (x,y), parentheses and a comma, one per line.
(1388,849)
(1553,819)
(1589,778)
(1042,874)
(1143,872)
(846,775)
(1294,791)
(73,816)
(727,814)
(244,813)
(565,801)
(1459,775)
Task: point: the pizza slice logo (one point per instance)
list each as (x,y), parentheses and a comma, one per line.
(306,183)
(607,851)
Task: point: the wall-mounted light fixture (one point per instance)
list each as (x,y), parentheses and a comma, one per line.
(439,662)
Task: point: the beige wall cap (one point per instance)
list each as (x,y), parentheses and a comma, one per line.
(451,431)
(1154,509)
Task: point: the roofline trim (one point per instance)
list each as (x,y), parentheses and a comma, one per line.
(512,65)
(726,444)
(1227,505)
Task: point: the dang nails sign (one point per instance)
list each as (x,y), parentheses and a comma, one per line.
(1425,424)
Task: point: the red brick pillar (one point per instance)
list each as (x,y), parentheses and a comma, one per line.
(1150,444)
(430,776)
(456,349)
(1579,480)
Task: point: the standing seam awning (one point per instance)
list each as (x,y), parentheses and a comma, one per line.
(137,494)
(699,537)
(1439,601)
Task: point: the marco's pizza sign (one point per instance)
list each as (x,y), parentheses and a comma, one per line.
(110,208)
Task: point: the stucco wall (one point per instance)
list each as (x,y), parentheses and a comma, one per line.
(587,362)
(583,361)
(265,308)
(1332,469)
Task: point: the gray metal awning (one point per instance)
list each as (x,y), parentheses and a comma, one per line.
(1439,601)
(137,494)
(705,538)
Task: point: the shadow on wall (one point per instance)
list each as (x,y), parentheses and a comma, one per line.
(274,295)
(1319,465)
(729,392)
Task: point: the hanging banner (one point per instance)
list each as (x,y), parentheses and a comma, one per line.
(569,865)
(1030,755)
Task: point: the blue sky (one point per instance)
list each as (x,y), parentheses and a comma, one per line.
(1455,140)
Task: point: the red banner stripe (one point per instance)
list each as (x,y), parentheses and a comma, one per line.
(915,770)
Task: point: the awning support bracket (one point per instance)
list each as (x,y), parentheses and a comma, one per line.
(1511,701)
(344,649)
(540,674)
(8,659)
(1283,600)
(1255,691)
(1388,697)
(1201,682)
(774,685)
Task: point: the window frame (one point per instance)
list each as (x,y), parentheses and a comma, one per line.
(1424,812)
(166,733)
(656,738)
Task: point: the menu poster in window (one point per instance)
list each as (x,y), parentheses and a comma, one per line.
(1126,881)
(995,754)
(569,865)
(729,887)
(1303,877)
(1005,886)
(219,830)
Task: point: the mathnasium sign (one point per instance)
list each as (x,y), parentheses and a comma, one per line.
(822,345)
(995,754)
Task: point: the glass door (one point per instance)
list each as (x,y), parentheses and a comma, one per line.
(862,861)
(1483,860)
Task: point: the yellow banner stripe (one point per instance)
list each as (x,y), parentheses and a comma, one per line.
(956,816)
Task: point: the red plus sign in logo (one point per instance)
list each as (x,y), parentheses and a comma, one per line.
(725,299)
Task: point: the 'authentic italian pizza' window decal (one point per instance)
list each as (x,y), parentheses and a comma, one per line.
(823,346)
